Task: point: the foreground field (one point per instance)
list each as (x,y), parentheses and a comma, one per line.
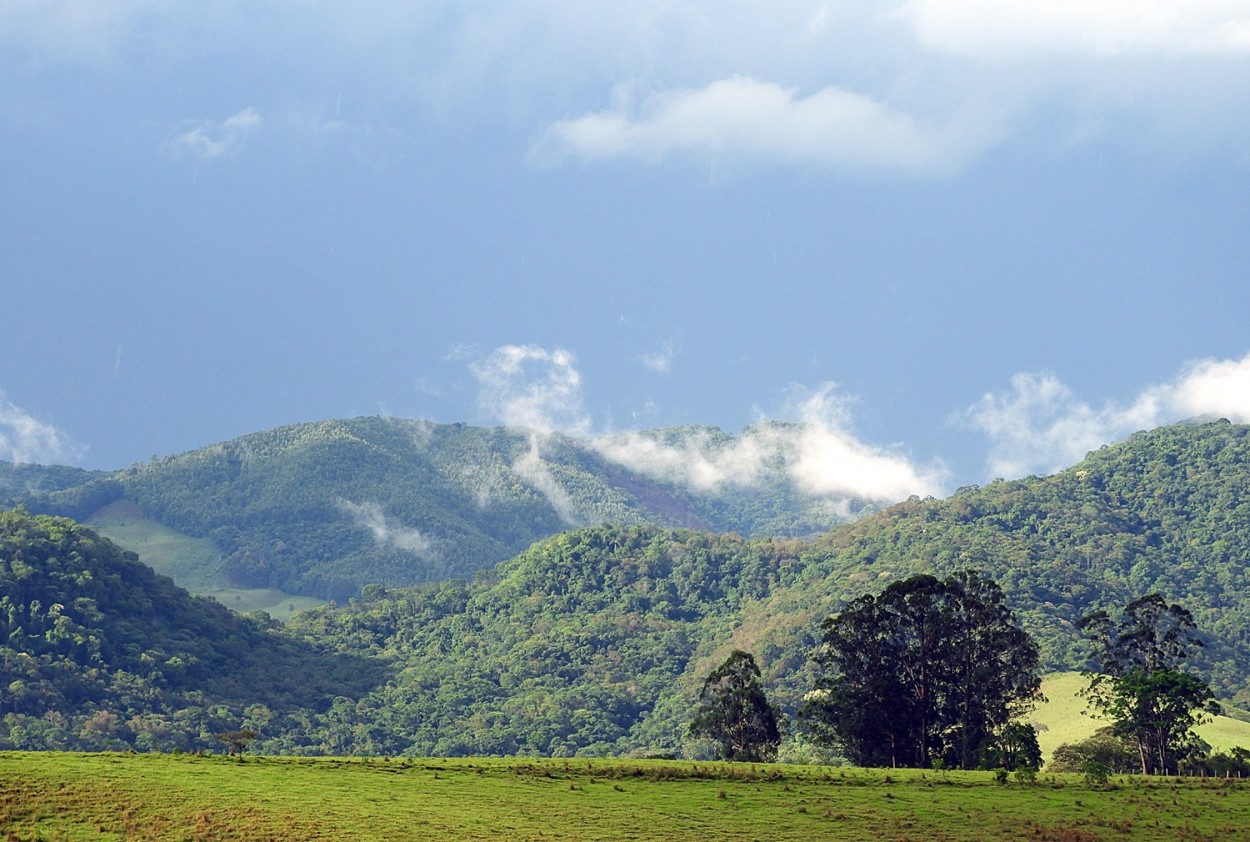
(108,796)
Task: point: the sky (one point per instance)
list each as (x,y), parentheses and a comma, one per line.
(958,239)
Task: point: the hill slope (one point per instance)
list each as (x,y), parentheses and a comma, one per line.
(98,651)
(596,641)
(323,509)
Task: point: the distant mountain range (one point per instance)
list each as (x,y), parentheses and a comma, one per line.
(594,640)
(323,509)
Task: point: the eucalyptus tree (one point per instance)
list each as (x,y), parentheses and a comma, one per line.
(1139,680)
(735,712)
(929,672)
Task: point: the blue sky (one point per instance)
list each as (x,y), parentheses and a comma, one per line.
(961,239)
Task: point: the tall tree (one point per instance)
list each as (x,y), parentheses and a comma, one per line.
(734,711)
(1139,681)
(929,670)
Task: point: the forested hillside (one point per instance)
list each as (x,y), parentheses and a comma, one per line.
(323,509)
(596,640)
(98,652)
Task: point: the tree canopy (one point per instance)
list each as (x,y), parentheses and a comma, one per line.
(734,712)
(928,672)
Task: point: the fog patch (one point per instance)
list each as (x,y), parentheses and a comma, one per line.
(387,531)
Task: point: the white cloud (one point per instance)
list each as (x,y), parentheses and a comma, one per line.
(813,449)
(210,140)
(1041,426)
(385,530)
(917,87)
(740,118)
(1014,29)
(661,359)
(531,387)
(538,390)
(26,439)
(534,472)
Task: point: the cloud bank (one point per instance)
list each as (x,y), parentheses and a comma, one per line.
(918,88)
(1041,426)
(1013,29)
(809,446)
(26,439)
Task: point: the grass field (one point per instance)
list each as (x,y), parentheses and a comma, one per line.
(191,562)
(1063,719)
(108,796)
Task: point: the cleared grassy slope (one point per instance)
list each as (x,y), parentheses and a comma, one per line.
(1063,719)
(193,563)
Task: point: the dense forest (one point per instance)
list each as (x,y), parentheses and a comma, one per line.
(596,640)
(323,509)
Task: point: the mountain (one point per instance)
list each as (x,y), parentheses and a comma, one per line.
(595,640)
(323,509)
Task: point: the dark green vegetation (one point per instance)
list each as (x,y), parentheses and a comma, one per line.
(596,641)
(162,797)
(323,509)
(929,673)
(98,652)
(735,713)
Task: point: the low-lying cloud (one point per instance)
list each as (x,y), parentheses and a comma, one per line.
(809,444)
(26,439)
(811,447)
(386,530)
(1041,426)
(538,390)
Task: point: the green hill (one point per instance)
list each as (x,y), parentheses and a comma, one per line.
(100,652)
(323,509)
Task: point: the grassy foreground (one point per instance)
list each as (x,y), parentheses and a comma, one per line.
(57,796)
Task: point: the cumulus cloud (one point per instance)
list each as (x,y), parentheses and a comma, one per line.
(26,439)
(1041,426)
(529,386)
(813,449)
(386,530)
(913,87)
(740,118)
(1011,29)
(209,139)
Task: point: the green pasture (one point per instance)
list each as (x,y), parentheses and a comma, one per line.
(193,563)
(57,796)
(1062,718)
